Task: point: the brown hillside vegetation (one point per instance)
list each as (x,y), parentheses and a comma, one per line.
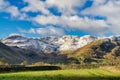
(96,49)
(99,49)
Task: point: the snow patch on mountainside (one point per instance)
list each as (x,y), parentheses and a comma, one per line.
(49,44)
(74,42)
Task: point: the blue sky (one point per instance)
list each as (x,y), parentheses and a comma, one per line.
(40,18)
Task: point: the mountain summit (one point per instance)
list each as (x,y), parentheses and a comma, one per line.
(49,44)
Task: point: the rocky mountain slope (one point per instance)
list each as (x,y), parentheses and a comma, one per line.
(16,49)
(17,55)
(49,44)
(105,49)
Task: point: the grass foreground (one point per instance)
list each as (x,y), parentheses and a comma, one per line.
(81,74)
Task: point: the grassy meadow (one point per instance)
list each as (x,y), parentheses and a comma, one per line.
(79,74)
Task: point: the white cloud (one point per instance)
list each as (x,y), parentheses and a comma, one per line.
(3,4)
(104,9)
(110,10)
(66,20)
(15,34)
(99,2)
(69,18)
(45,31)
(36,6)
(44,20)
(22,30)
(67,7)
(32,30)
(13,10)
(6,7)
(73,22)
(50,31)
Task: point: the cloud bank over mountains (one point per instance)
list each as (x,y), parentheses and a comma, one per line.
(95,17)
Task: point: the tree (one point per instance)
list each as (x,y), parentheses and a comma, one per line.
(3,62)
(39,63)
(24,63)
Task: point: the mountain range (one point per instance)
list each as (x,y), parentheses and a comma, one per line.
(15,48)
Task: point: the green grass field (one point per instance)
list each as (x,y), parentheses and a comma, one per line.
(82,74)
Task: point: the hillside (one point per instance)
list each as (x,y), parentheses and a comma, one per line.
(16,55)
(67,49)
(99,49)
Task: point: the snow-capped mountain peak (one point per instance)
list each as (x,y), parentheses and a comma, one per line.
(49,44)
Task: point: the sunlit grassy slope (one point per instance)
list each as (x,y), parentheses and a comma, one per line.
(82,74)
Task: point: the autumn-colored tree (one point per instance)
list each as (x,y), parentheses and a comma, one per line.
(24,63)
(39,63)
